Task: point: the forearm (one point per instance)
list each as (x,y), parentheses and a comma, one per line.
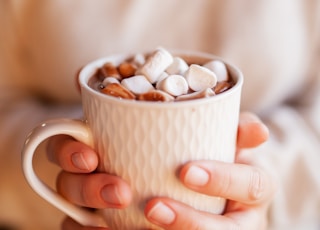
(292,156)
(18,116)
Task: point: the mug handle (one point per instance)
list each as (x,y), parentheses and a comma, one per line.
(76,129)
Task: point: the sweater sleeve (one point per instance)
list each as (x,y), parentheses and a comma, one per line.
(18,115)
(292,156)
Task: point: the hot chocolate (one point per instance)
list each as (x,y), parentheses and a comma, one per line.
(160,76)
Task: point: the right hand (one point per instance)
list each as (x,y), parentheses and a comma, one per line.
(97,190)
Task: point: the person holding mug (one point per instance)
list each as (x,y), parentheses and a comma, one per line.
(275,44)
(206,139)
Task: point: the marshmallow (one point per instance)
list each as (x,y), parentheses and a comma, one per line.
(175,85)
(162,76)
(200,78)
(137,84)
(219,68)
(196,95)
(139,59)
(157,63)
(155,95)
(178,66)
(109,80)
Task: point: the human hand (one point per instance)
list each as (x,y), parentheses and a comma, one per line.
(79,185)
(248,188)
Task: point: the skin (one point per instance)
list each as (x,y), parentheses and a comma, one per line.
(247,187)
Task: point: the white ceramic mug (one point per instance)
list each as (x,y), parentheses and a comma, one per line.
(145,143)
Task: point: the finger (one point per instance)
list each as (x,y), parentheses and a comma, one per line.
(171,215)
(251,131)
(97,190)
(248,217)
(69,224)
(239,182)
(71,155)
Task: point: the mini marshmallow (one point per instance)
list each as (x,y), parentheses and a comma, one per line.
(157,63)
(162,76)
(196,95)
(178,66)
(137,84)
(109,80)
(219,68)
(200,78)
(139,59)
(175,85)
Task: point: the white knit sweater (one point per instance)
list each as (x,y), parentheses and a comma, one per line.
(275,43)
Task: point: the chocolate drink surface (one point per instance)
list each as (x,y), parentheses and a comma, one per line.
(161,77)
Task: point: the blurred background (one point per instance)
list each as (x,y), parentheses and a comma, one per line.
(44,43)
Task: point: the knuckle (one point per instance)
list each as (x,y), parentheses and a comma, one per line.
(224,186)
(257,185)
(86,193)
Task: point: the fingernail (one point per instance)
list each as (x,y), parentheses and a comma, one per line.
(111,195)
(196,176)
(161,214)
(79,161)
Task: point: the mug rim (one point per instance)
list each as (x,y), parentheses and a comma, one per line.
(90,68)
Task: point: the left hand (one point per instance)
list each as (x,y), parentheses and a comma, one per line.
(248,188)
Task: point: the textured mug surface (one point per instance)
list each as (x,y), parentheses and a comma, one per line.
(146,143)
